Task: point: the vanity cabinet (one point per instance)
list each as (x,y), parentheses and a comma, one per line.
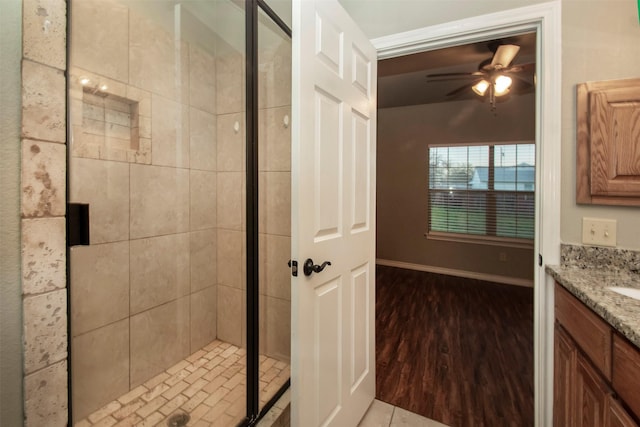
(589,389)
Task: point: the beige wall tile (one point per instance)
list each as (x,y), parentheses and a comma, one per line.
(100,367)
(203,200)
(152,63)
(169,133)
(45,329)
(45,32)
(99,273)
(159,270)
(46,396)
(275,327)
(231,204)
(230,315)
(202,134)
(43,255)
(143,98)
(43,102)
(275,203)
(159,339)
(202,79)
(230,79)
(43,179)
(100,38)
(274,80)
(274,139)
(105,186)
(231,258)
(203,259)
(159,201)
(275,275)
(231,143)
(203,318)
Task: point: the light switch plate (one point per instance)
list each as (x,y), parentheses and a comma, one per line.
(599,232)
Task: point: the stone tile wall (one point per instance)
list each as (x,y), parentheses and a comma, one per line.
(43,186)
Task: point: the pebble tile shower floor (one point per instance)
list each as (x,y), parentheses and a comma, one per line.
(209,386)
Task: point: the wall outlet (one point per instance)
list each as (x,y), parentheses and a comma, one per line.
(599,232)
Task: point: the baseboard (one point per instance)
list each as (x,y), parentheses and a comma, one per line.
(506,280)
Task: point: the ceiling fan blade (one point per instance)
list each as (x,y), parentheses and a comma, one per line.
(521,68)
(522,82)
(520,87)
(504,55)
(461,89)
(452,76)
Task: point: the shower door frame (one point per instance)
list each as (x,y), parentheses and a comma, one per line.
(252,7)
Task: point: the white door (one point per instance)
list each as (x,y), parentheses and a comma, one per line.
(333,216)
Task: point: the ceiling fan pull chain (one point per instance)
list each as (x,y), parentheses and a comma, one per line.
(492,97)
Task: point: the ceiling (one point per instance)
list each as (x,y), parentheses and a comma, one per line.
(402,81)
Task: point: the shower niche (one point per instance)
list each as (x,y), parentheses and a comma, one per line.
(180,304)
(106,123)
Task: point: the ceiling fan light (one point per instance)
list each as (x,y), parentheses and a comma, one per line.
(481,87)
(502,85)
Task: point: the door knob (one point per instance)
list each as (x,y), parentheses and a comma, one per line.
(309,268)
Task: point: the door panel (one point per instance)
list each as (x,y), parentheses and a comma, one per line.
(359,325)
(328,354)
(328,166)
(333,184)
(361,169)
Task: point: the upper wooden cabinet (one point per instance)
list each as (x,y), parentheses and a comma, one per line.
(608,143)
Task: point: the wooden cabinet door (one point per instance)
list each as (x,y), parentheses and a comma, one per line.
(607,150)
(626,378)
(617,416)
(615,157)
(564,367)
(591,394)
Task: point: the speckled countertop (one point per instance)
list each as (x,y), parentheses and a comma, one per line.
(587,272)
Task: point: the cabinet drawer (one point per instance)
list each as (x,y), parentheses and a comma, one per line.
(590,332)
(626,373)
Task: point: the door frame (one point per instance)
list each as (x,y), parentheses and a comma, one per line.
(545,20)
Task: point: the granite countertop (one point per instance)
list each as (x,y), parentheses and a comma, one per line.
(588,278)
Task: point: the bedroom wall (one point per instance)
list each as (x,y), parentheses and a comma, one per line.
(403,135)
(599,42)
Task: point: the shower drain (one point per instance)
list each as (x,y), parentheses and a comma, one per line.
(178,420)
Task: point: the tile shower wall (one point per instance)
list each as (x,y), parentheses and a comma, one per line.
(158,153)
(43,165)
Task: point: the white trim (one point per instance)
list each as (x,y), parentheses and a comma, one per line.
(545,20)
(505,280)
(480,239)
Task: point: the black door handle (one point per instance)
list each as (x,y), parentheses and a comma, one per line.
(309,268)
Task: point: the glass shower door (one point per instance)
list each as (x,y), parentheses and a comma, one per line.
(274,117)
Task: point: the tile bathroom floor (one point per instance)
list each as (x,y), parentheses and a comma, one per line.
(209,385)
(382,414)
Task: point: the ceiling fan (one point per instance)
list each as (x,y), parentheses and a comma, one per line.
(494,76)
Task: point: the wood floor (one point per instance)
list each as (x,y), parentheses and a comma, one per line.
(459,351)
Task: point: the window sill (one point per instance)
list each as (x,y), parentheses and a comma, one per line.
(480,240)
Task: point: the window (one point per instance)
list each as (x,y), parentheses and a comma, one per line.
(482,192)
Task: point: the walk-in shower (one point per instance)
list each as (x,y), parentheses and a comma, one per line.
(179,192)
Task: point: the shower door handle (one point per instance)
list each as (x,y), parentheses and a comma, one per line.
(309,268)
